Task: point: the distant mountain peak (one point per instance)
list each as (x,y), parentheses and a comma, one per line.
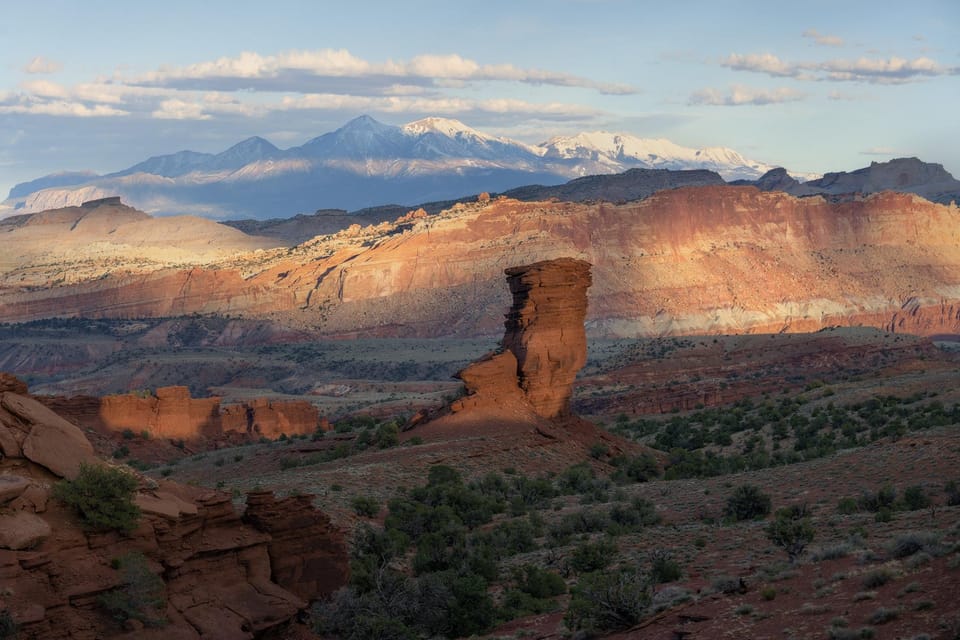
(446,126)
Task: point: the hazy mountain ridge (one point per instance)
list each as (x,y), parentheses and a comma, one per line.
(906,175)
(367,163)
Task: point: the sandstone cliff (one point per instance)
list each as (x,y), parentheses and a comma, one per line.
(222,577)
(712,259)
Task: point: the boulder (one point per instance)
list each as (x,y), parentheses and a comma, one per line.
(22,530)
(51,442)
(11,487)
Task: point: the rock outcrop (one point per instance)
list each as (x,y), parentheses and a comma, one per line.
(544,330)
(298,563)
(32,431)
(262,417)
(172,413)
(524,389)
(222,577)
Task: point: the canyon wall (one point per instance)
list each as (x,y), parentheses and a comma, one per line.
(694,260)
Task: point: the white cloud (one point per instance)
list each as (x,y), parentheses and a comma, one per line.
(760,62)
(739,95)
(893,70)
(42,65)
(823,39)
(45,89)
(177,109)
(298,71)
(62,108)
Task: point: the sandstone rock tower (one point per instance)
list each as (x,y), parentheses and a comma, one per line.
(545,332)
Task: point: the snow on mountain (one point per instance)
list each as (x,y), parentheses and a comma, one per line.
(366,163)
(360,138)
(618,152)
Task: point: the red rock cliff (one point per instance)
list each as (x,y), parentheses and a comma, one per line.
(172,413)
(222,577)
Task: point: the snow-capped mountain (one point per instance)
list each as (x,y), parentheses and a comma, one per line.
(605,152)
(367,163)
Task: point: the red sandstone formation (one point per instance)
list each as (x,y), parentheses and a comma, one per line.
(297,562)
(172,413)
(695,260)
(527,386)
(544,330)
(262,417)
(223,577)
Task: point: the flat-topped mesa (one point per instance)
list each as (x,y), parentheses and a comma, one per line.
(545,331)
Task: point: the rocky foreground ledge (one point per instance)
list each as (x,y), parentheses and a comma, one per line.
(223,574)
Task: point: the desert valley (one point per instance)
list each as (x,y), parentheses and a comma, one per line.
(557,320)
(685,362)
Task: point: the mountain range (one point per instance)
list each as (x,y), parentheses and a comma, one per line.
(362,164)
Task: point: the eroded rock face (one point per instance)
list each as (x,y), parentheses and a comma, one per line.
(32,431)
(218,571)
(545,331)
(262,417)
(308,555)
(172,413)
(544,344)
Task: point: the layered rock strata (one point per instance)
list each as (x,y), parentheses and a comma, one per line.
(694,260)
(544,330)
(172,413)
(222,577)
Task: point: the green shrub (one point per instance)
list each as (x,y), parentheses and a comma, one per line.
(883,615)
(641,468)
(538,582)
(877,578)
(592,556)
(953,493)
(639,513)
(388,435)
(663,568)
(599,450)
(141,596)
(607,601)
(911,542)
(365,506)
(884,498)
(102,497)
(747,502)
(792,530)
(914,498)
(847,506)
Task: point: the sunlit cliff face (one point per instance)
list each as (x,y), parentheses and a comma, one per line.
(692,260)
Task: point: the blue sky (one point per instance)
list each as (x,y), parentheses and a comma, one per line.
(812,86)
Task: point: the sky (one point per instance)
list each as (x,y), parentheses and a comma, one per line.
(812,86)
